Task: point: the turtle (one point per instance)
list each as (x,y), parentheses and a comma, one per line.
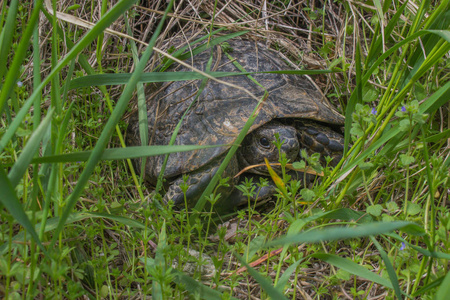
(295,109)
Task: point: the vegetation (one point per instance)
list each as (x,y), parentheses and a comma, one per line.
(77,221)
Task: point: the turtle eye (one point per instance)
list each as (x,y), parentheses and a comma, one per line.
(264,142)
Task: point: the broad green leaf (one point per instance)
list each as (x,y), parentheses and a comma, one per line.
(369,94)
(375,210)
(413,209)
(406,160)
(307,194)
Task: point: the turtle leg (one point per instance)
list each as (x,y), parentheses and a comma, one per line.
(197,183)
(261,194)
(237,199)
(321,139)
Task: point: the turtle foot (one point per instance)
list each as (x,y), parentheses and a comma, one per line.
(197,182)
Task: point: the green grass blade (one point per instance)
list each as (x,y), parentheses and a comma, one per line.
(379,61)
(116,79)
(160,262)
(202,201)
(424,64)
(82,60)
(344,214)
(418,16)
(12,204)
(21,51)
(63,127)
(101,25)
(354,99)
(287,275)
(21,165)
(390,269)
(196,288)
(439,137)
(120,153)
(52,223)
(115,117)
(435,101)
(53,173)
(142,103)
(380,142)
(444,289)
(122,78)
(434,254)
(7,33)
(66,86)
(428,42)
(428,287)
(347,214)
(265,283)
(340,233)
(376,47)
(160,179)
(400,144)
(380,13)
(119,219)
(352,268)
(439,18)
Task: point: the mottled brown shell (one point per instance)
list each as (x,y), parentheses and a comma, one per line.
(221,111)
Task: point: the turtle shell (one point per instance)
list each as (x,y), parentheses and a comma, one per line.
(220,112)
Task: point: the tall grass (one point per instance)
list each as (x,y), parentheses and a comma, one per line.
(77,221)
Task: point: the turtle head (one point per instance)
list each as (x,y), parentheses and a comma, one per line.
(259,144)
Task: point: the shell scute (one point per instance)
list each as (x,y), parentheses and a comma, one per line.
(221,111)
